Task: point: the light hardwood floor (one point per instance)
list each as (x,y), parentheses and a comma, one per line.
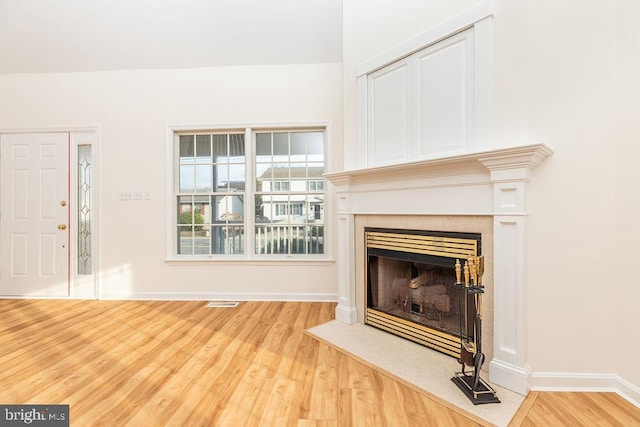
(158,363)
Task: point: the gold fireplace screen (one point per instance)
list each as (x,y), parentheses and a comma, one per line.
(440,334)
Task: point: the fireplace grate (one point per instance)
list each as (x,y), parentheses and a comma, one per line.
(447,247)
(443,342)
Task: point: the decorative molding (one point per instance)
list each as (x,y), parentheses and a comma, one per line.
(221,296)
(585,382)
(526,156)
(510,158)
(348,315)
(453,25)
(511,377)
(629,391)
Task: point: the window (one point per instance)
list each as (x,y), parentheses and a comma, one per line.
(211,194)
(268,203)
(85,257)
(280,185)
(316,185)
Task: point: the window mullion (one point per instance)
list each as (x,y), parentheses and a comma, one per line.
(249,205)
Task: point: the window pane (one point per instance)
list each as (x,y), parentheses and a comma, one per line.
(84,210)
(202,210)
(185,240)
(222,177)
(186,148)
(236,148)
(185,210)
(201,241)
(264,208)
(187,178)
(237,176)
(315,145)
(315,171)
(203,148)
(315,205)
(201,227)
(203,178)
(299,144)
(281,144)
(272,239)
(220,152)
(229,208)
(315,239)
(298,177)
(227,239)
(263,144)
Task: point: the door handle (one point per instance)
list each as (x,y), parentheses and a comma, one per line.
(62,227)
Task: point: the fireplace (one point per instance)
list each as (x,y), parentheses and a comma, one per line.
(452,192)
(410,290)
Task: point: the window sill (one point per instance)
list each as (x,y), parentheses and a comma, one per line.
(187,261)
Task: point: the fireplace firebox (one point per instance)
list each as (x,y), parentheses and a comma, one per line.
(411,290)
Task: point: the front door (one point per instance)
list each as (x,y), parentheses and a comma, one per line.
(34,214)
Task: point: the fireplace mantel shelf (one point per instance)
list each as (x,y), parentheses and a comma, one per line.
(524,156)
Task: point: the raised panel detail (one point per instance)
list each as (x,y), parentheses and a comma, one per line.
(19,248)
(48,196)
(388,110)
(424,105)
(47,151)
(48,254)
(19,184)
(19,151)
(443,99)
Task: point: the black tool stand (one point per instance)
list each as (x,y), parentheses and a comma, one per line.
(474,387)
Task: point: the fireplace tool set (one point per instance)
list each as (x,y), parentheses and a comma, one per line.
(470,292)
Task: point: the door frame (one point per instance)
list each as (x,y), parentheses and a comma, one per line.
(85,286)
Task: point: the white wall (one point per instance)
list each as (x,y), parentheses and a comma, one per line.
(566,60)
(555,68)
(627,125)
(133,110)
(569,52)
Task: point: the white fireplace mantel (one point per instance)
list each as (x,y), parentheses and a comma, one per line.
(491,183)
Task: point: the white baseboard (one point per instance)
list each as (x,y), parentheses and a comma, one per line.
(221,296)
(585,382)
(511,377)
(629,391)
(348,315)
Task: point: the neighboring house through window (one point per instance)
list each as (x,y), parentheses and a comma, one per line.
(269,203)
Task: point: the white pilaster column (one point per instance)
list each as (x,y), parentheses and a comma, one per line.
(345,255)
(510,174)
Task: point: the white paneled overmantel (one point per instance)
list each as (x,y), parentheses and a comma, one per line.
(430,95)
(483,183)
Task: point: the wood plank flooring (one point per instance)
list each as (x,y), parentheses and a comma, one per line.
(159,363)
(576,409)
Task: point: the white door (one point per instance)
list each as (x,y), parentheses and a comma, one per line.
(34,214)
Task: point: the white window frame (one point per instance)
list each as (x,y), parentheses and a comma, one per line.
(278,186)
(250,130)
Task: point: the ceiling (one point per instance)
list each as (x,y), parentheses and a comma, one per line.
(47,36)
